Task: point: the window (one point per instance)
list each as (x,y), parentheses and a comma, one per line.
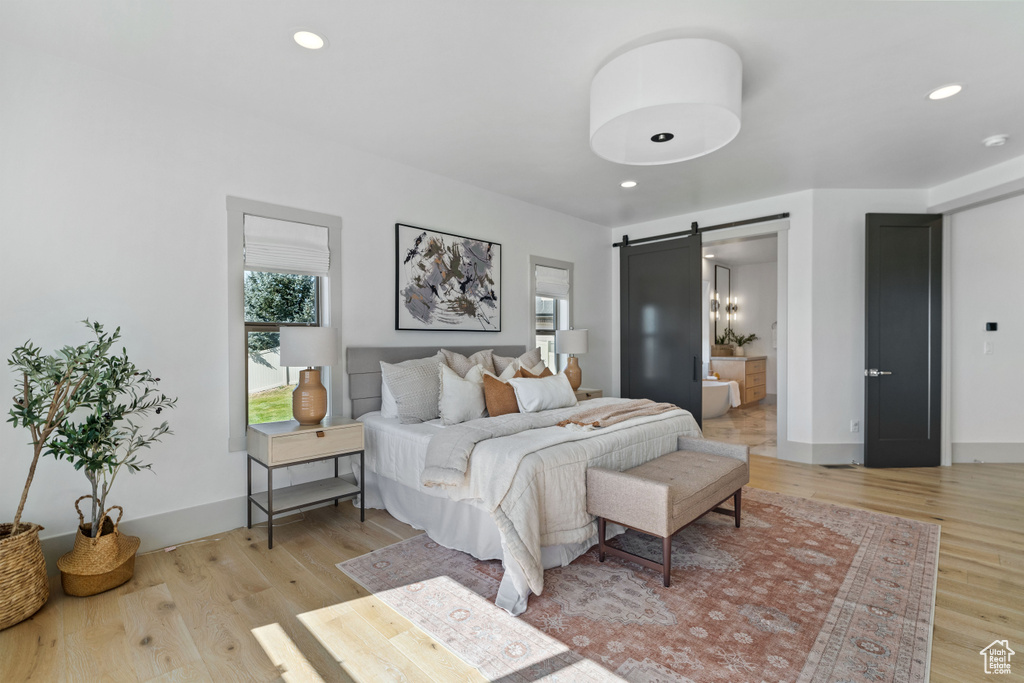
(551,285)
(273,301)
(283,270)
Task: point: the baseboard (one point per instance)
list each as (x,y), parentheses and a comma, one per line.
(794,451)
(165,529)
(821,453)
(770,400)
(838,453)
(988,452)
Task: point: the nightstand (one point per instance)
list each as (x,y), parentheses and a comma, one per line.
(584,394)
(283,444)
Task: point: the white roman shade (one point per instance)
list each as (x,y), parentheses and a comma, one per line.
(553,282)
(285,247)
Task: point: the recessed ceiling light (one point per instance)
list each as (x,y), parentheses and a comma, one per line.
(995,140)
(628,183)
(709,256)
(309,40)
(944,92)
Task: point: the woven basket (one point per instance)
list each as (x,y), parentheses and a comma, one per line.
(98,564)
(24,587)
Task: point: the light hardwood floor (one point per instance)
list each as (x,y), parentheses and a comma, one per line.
(755,426)
(228,609)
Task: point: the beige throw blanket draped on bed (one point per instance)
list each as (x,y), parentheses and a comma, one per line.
(534,486)
(606,416)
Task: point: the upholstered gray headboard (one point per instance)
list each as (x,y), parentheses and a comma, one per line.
(363,367)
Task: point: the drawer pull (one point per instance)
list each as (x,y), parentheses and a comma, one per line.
(320,435)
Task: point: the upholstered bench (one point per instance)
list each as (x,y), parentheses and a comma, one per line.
(667,494)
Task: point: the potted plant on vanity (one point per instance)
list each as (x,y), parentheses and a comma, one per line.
(101,436)
(724,343)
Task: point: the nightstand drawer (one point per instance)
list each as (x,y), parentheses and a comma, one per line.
(756,380)
(309,444)
(756,366)
(587,394)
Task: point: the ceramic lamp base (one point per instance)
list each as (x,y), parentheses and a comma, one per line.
(573,373)
(309,400)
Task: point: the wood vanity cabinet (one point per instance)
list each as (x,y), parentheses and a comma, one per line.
(749,371)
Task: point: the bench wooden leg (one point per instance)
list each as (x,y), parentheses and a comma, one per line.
(600,539)
(737,500)
(666,560)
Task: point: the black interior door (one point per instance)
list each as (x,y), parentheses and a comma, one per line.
(661,322)
(902,389)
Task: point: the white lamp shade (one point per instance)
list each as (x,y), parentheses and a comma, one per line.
(689,88)
(571,341)
(309,346)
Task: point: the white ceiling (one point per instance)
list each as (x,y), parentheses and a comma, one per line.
(496,93)
(742,252)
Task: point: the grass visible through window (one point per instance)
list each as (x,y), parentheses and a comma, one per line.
(272,405)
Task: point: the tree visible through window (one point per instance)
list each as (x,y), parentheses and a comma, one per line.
(273,301)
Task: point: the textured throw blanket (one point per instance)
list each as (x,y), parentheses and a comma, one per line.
(448,453)
(531,474)
(608,415)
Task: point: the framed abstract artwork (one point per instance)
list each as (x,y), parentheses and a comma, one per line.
(446,282)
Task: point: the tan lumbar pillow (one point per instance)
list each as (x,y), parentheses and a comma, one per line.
(499,396)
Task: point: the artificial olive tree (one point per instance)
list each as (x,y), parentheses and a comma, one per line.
(81,404)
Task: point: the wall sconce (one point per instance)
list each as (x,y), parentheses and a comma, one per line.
(715,305)
(730,308)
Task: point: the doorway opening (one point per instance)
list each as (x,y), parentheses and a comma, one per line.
(742,346)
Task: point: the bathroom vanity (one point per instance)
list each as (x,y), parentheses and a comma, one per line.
(749,371)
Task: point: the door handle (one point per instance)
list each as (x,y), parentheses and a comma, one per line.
(696,369)
(875,373)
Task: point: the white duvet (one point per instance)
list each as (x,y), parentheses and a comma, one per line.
(533,482)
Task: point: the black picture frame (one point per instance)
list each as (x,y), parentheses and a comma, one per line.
(446,282)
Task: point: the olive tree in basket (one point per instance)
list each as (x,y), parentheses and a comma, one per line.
(48,389)
(109,438)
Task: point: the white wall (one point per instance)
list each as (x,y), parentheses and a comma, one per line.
(756,287)
(112,206)
(838,305)
(987,287)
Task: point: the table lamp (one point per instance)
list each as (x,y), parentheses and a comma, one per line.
(313,347)
(572,342)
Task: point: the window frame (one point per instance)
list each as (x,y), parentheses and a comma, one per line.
(561,358)
(329,307)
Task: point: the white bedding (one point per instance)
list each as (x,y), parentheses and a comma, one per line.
(532,484)
(397,451)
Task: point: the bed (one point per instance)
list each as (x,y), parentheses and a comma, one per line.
(523,497)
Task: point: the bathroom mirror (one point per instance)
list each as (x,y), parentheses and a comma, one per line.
(723,292)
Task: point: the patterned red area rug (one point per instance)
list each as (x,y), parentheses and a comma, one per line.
(804,591)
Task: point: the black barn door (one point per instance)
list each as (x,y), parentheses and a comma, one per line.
(903,348)
(661,322)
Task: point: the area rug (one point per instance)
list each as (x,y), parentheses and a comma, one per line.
(804,591)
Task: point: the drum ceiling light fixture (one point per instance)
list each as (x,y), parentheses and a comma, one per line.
(666,102)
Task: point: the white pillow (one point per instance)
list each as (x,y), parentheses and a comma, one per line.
(415,387)
(461,399)
(545,393)
(388,407)
(529,359)
(507,374)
